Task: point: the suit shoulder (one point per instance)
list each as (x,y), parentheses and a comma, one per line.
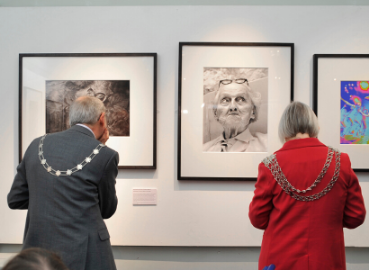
(110,152)
(267,160)
(345,161)
(345,157)
(34,144)
(37,140)
(110,156)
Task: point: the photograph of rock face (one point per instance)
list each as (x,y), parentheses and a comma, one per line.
(234,99)
(113,93)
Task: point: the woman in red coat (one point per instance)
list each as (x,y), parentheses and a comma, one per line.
(305,194)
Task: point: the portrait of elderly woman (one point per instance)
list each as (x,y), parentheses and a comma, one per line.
(113,93)
(235,109)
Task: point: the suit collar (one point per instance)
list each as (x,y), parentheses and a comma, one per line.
(301,143)
(82,130)
(86,127)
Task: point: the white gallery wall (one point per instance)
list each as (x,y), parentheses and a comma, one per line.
(188,213)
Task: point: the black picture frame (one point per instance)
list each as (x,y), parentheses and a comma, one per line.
(329,70)
(270,48)
(100,66)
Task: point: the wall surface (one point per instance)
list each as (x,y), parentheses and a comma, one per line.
(63,3)
(188,213)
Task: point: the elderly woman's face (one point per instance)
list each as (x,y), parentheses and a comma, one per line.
(234,108)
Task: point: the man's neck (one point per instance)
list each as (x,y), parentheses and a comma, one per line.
(87,127)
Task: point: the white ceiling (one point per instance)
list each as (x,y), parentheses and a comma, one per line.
(50,3)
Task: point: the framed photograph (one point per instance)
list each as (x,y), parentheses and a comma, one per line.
(341,102)
(230,100)
(49,83)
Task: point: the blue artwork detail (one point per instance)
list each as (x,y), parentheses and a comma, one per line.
(354,119)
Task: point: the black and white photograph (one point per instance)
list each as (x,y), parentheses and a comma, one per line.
(230,99)
(235,109)
(113,93)
(124,82)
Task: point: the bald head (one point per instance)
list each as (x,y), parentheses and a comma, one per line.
(85,110)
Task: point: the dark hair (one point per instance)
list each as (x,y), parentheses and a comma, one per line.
(35,259)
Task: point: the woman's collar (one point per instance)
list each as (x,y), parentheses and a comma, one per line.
(301,143)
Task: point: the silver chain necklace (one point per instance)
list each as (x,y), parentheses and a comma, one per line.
(68,172)
(272,164)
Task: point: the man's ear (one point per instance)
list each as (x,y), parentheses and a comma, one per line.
(102,119)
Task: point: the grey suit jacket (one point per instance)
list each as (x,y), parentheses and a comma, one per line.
(65,213)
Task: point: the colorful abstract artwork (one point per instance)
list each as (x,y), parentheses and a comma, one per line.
(354,112)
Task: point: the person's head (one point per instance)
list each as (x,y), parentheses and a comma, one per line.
(35,259)
(298,118)
(236,104)
(89,111)
(86,110)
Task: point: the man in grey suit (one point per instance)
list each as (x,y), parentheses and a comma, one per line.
(66,180)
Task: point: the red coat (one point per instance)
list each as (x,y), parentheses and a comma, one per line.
(306,235)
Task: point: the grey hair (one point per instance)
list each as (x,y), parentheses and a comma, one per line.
(85,110)
(255,97)
(297,118)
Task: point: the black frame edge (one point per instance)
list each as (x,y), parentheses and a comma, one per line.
(179,123)
(20,109)
(292,71)
(155,111)
(315,83)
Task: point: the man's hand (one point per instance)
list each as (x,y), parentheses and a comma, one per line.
(104,137)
